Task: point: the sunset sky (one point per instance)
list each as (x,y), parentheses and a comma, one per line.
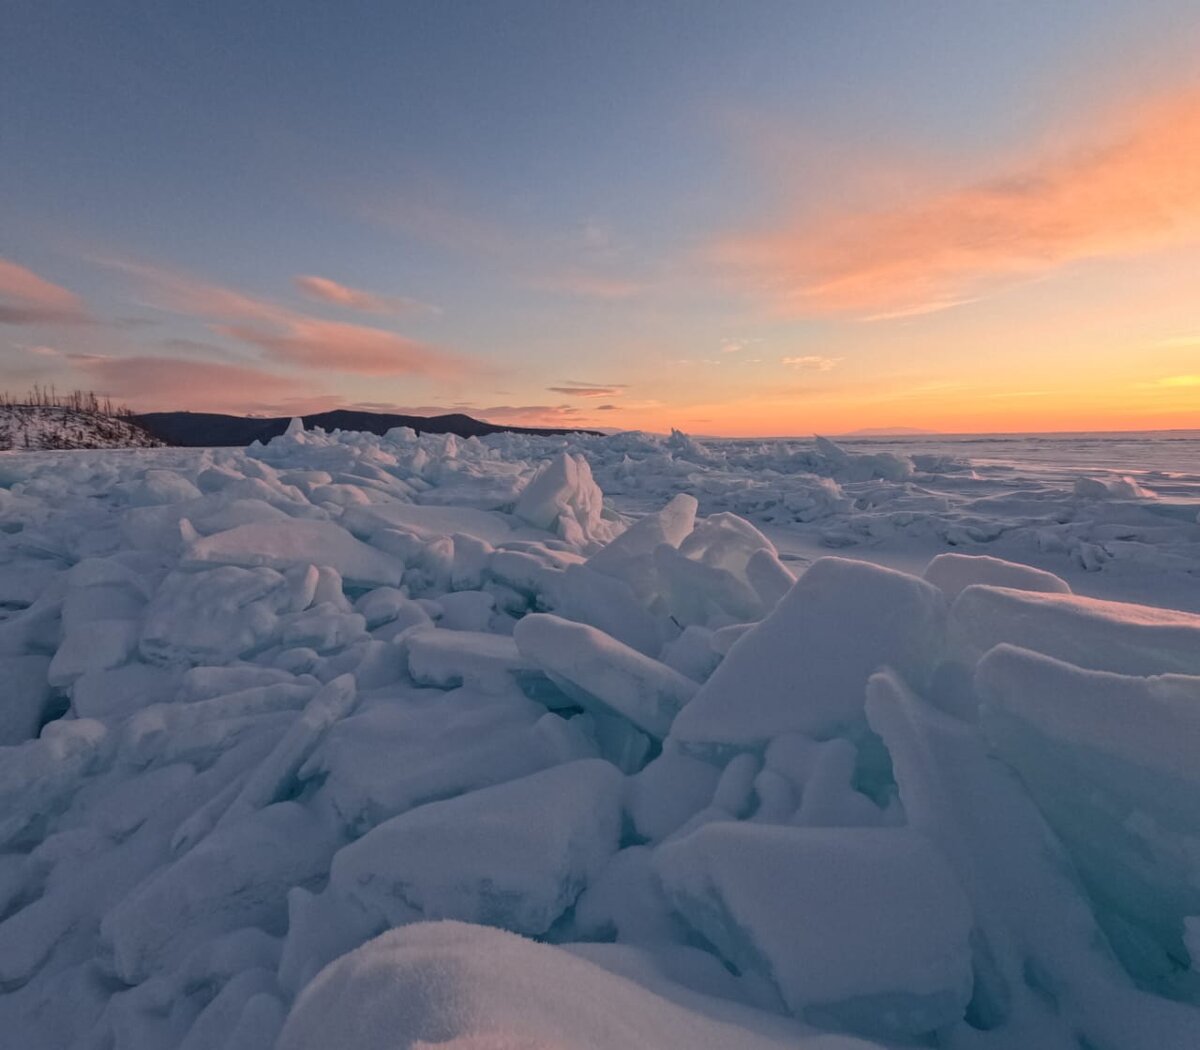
(734,218)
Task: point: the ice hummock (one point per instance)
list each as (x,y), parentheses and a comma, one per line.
(269,711)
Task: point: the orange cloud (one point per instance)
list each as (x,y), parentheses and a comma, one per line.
(298,338)
(26,298)
(325,290)
(1138,190)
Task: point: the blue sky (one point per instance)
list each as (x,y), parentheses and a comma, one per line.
(558,195)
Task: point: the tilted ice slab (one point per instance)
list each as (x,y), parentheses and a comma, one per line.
(1034,930)
(953,573)
(281,545)
(1106,636)
(1111,760)
(435,522)
(38,777)
(603,674)
(515,855)
(804,669)
(238,876)
(862,928)
(397,754)
(451,658)
(214,616)
(453,985)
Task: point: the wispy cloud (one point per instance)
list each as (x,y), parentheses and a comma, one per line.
(515,415)
(581,389)
(325,290)
(26,298)
(1136,188)
(736,346)
(532,415)
(1176,381)
(314,343)
(298,338)
(812,362)
(194,346)
(934,306)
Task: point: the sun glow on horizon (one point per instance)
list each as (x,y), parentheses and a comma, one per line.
(803,258)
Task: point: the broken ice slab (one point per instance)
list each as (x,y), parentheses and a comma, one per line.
(515,855)
(1110,761)
(865,930)
(603,674)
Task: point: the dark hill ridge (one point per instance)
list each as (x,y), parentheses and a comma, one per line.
(208,429)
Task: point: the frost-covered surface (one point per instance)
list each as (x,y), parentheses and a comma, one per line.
(366,742)
(57,427)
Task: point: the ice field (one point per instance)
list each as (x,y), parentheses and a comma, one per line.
(361,743)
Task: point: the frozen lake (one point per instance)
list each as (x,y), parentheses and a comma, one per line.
(674,774)
(1031,498)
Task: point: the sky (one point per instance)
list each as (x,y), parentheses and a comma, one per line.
(752,219)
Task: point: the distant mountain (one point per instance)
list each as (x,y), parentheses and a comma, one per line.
(209,429)
(43,427)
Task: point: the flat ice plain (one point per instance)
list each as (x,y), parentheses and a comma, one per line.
(362,743)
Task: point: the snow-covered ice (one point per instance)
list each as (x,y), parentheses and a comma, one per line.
(591,742)
(515,855)
(866,927)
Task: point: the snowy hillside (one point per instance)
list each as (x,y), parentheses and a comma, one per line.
(58,427)
(374,743)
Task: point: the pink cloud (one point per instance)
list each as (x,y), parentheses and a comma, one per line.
(324,290)
(1137,188)
(314,343)
(514,415)
(186,295)
(149,383)
(26,298)
(533,415)
(299,338)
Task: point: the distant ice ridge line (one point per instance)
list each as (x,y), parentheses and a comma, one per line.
(395,741)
